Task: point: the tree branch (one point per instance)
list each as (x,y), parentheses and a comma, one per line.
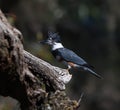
(36,84)
(58,77)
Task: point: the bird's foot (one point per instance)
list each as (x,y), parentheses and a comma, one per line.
(68,69)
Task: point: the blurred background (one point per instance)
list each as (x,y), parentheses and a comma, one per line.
(91,28)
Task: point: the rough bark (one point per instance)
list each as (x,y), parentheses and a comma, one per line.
(36,84)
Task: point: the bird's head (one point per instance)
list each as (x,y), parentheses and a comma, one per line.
(52,39)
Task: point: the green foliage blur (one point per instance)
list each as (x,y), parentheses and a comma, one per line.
(91,28)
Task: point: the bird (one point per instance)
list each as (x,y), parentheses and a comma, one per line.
(67,56)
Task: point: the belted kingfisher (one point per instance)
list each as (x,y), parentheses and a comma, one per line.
(65,55)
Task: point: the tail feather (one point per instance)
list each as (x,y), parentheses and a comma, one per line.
(93,73)
(90,71)
(88,66)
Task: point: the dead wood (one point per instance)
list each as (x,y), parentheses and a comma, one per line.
(36,84)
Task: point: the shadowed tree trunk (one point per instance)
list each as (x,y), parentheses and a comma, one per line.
(36,84)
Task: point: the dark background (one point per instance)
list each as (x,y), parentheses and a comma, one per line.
(91,28)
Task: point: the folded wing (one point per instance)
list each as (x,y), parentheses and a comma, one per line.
(70,56)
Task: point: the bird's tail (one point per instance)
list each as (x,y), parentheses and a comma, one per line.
(92,72)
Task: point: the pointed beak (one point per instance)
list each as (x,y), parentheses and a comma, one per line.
(49,42)
(43,42)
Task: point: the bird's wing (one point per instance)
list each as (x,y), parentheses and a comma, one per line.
(70,56)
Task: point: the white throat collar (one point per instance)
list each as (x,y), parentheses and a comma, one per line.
(57,46)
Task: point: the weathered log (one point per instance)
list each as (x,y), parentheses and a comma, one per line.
(57,76)
(36,84)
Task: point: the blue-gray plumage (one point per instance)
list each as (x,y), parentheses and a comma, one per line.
(67,56)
